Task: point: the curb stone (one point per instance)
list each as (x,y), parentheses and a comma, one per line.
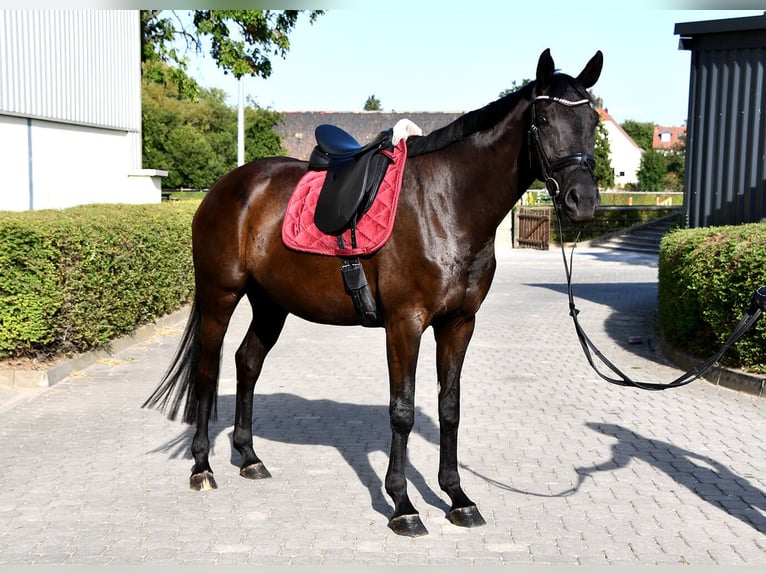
(733,379)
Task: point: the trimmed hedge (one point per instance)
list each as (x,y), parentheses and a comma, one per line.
(73,279)
(706,279)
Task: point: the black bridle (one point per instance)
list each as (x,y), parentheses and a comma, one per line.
(549,169)
(587,162)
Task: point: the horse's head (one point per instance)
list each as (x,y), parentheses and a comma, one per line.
(562,134)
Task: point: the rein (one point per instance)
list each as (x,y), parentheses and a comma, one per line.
(757,306)
(587,162)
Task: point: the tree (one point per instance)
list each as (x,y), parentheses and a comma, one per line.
(598,101)
(515,86)
(652,171)
(676,167)
(195,141)
(641,132)
(603,172)
(261,139)
(241,42)
(372,104)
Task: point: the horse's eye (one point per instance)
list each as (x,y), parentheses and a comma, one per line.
(542,120)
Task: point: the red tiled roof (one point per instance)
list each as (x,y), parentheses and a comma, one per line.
(674,136)
(603,114)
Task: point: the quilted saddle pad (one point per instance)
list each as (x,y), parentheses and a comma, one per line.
(372,230)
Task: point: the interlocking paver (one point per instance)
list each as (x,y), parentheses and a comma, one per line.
(565,468)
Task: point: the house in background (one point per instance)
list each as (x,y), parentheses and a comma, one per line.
(70,110)
(668,137)
(624,153)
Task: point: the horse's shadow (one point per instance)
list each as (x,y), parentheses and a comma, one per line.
(706,477)
(355,430)
(631,324)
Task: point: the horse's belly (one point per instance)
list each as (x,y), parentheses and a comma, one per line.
(309,286)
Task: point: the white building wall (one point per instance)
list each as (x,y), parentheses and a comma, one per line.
(70,109)
(624,155)
(14,164)
(100,157)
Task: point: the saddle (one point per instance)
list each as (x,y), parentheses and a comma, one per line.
(354,174)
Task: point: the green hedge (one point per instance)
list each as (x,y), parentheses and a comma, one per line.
(706,279)
(73,279)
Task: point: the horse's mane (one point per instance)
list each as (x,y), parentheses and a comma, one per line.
(467,124)
(485,118)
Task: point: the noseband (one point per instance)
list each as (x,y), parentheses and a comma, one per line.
(549,168)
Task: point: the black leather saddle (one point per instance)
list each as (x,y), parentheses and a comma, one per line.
(354,174)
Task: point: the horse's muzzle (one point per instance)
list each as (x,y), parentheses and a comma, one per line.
(580,200)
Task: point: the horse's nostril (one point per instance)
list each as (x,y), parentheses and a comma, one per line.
(572,198)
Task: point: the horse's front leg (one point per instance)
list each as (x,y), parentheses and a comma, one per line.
(452,340)
(402,346)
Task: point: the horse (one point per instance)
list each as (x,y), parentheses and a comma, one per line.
(435,270)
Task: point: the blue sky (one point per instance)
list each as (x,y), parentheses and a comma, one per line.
(419,57)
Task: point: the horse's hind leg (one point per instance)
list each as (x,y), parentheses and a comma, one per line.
(215,313)
(452,340)
(267,323)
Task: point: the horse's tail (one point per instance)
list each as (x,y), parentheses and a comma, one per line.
(178,382)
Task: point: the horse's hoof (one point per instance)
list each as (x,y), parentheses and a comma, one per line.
(255,471)
(202,481)
(408,525)
(467,516)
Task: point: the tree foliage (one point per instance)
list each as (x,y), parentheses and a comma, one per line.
(515,86)
(662,170)
(196,141)
(603,172)
(652,171)
(241,42)
(372,104)
(676,168)
(640,132)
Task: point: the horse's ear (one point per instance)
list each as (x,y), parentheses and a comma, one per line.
(545,68)
(592,71)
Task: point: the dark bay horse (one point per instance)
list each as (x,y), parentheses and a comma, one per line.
(436,269)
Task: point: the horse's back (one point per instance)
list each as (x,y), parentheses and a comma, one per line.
(242,184)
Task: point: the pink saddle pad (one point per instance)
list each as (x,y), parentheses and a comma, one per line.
(372,230)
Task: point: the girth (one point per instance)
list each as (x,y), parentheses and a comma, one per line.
(354,174)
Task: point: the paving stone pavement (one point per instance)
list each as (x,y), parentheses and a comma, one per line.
(565,468)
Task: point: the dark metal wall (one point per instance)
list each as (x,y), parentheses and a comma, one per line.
(725,180)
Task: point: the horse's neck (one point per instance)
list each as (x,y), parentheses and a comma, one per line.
(498,172)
